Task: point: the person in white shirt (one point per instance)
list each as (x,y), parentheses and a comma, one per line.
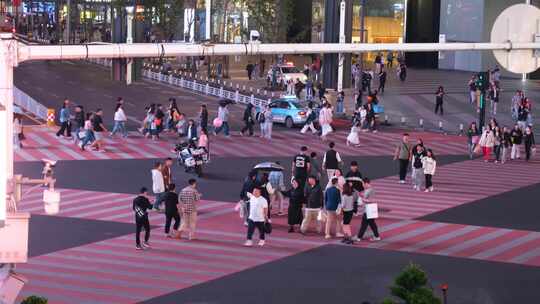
(429,164)
(258,216)
(158,185)
(120,120)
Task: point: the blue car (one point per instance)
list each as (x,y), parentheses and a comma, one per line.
(291,111)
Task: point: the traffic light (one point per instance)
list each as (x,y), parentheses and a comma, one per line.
(482,81)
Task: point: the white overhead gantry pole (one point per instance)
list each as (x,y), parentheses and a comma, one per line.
(511,51)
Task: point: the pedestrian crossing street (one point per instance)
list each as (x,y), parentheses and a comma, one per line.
(455,184)
(42,143)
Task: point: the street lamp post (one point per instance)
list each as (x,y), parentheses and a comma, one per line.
(341,62)
(129,40)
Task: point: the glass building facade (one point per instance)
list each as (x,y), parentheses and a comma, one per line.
(384,21)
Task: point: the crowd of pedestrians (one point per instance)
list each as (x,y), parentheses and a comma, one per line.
(321,198)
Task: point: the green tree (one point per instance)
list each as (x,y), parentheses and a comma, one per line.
(272,18)
(35,300)
(411,287)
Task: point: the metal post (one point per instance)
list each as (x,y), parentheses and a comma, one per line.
(68,23)
(362,30)
(129,40)
(8,50)
(342,8)
(207,19)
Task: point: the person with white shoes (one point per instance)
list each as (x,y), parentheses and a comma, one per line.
(403,154)
(258,216)
(429,164)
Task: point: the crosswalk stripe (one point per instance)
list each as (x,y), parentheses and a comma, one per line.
(473,242)
(506,246)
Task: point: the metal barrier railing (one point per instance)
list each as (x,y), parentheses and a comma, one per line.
(205,88)
(29,104)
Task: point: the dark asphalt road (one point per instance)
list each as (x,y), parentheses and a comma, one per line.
(53,233)
(340,274)
(91,86)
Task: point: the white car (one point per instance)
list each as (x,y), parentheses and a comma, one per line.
(286,72)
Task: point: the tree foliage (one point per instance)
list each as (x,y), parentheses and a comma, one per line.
(411,287)
(272,18)
(35,300)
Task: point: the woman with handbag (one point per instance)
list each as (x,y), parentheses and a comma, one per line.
(472,138)
(528,138)
(366,200)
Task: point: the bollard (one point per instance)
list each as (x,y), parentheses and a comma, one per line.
(272,95)
(207,88)
(265,93)
(251,89)
(252,99)
(236,96)
(421,123)
(269,101)
(206,78)
(403,120)
(440,125)
(219,81)
(50,117)
(237,86)
(258,91)
(243,88)
(460,129)
(221,92)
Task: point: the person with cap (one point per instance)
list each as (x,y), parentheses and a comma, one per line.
(301,165)
(141,205)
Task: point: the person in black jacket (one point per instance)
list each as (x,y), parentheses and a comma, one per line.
(141,205)
(528,139)
(248,120)
(296,201)
(516,137)
(505,144)
(314,204)
(355,176)
(79,122)
(171,210)
(247,187)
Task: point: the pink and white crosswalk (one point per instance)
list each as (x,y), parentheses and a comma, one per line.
(41,143)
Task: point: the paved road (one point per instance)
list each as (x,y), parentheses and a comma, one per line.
(414,99)
(90,85)
(434,229)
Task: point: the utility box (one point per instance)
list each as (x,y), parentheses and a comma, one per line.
(14,238)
